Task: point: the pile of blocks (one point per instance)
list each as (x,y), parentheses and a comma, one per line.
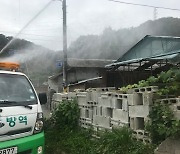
(88,102)
(105,108)
(174,104)
(59,97)
(140,103)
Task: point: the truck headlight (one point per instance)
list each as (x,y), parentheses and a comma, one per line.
(39,123)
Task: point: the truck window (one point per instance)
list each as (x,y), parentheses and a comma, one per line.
(16,88)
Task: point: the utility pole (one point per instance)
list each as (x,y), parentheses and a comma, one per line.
(155,13)
(64,47)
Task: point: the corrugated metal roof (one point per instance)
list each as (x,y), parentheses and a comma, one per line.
(150,47)
(93,63)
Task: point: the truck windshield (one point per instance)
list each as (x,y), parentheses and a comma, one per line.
(16,88)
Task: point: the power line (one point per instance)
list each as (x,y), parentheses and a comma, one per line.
(151,6)
(46,6)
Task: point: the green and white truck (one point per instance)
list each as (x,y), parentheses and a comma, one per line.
(21,117)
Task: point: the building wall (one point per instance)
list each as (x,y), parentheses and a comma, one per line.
(78,74)
(53,84)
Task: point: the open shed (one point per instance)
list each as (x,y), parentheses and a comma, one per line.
(149,56)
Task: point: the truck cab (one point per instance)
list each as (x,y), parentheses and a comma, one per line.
(21,117)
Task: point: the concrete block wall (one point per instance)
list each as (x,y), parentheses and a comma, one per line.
(104,108)
(143,89)
(173,103)
(101,121)
(139,111)
(83,98)
(85,122)
(57,98)
(140,102)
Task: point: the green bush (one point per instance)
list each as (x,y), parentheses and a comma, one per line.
(80,141)
(168,83)
(66,115)
(120,141)
(70,141)
(62,134)
(162,124)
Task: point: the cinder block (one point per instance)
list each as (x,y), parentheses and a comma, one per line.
(121,115)
(94,95)
(82,112)
(99,111)
(139,111)
(141,134)
(101,90)
(55,105)
(85,124)
(143,89)
(101,121)
(147,89)
(120,101)
(145,141)
(95,110)
(83,98)
(174,103)
(86,113)
(105,100)
(107,112)
(71,95)
(137,123)
(135,99)
(85,120)
(91,103)
(169,101)
(60,96)
(148,98)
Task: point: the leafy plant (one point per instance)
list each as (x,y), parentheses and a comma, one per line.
(81,142)
(121,141)
(66,115)
(162,124)
(168,83)
(143,83)
(63,135)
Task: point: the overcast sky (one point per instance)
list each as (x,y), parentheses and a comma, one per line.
(83,17)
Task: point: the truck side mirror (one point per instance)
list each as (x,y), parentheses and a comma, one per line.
(42,98)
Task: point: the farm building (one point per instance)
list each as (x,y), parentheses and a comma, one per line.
(149,56)
(82,74)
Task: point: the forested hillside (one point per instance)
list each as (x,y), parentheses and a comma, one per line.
(39,62)
(36,61)
(111,44)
